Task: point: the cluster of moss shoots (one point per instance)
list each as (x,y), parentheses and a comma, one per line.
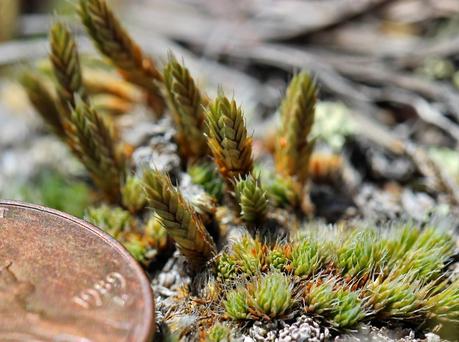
(278,267)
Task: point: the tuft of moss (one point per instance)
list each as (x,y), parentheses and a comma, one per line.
(444,304)
(219,333)
(319,297)
(208,177)
(236,305)
(226,267)
(347,309)
(139,249)
(54,190)
(252,199)
(155,234)
(248,254)
(308,257)
(113,220)
(271,295)
(395,297)
(278,258)
(360,253)
(427,254)
(282,192)
(132,195)
(265,297)
(340,306)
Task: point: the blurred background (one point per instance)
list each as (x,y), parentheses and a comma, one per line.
(388,73)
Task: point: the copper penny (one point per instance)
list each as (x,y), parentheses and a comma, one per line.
(62,279)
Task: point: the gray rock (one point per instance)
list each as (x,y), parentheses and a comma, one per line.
(160,153)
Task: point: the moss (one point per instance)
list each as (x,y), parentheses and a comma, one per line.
(137,249)
(347,309)
(395,297)
(265,297)
(281,191)
(444,305)
(132,195)
(248,254)
(308,256)
(252,199)
(155,234)
(236,305)
(278,259)
(319,297)
(345,276)
(57,191)
(226,267)
(341,275)
(271,295)
(113,220)
(208,177)
(360,253)
(219,333)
